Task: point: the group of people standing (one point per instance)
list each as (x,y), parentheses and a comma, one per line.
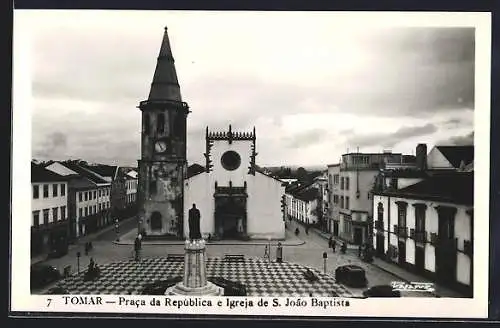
(332,243)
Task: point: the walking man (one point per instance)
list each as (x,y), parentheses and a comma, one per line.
(137,247)
(334,245)
(279,253)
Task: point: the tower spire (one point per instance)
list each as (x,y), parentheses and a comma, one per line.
(165,85)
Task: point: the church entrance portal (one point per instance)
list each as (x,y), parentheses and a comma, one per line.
(156,221)
(230,217)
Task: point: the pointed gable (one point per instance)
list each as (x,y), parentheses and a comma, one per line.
(457,154)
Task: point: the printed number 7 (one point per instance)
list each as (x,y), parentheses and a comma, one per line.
(49,301)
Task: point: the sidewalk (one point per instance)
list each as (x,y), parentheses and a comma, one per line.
(129,238)
(80,241)
(397,271)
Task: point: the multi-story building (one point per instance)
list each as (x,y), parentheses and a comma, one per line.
(333,199)
(302,203)
(424,219)
(88,200)
(49,206)
(132,180)
(357,172)
(321,184)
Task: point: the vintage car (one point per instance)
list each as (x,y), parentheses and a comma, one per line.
(381,291)
(42,275)
(351,275)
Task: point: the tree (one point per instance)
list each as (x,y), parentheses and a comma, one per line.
(302,175)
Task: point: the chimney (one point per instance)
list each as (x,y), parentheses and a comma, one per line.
(421,157)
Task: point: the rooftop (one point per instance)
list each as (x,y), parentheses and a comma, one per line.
(41,174)
(456,154)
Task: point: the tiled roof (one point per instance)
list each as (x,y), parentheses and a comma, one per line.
(41,174)
(102,170)
(194,169)
(456,154)
(457,188)
(84,172)
(308,194)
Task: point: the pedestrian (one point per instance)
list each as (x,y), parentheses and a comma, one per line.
(307,229)
(279,253)
(297,231)
(360,250)
(343,249)
(330,241)
(137,247)
(334,245)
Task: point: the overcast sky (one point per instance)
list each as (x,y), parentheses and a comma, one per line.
(313,85)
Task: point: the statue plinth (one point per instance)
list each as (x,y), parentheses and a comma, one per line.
(195,279)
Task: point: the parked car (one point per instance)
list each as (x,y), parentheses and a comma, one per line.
(42,275)
(381,291)
(351,275)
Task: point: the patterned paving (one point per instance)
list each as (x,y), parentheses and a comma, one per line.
(261,278)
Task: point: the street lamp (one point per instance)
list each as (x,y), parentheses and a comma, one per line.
(269,245)
(325,256)
(117,230)
(78,261)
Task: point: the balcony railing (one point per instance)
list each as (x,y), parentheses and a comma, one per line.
(418,236)
(401,231)
(468,247)
(443,243)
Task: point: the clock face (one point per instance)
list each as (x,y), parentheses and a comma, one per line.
(160,146)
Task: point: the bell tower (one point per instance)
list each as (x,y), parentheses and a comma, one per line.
(163,164)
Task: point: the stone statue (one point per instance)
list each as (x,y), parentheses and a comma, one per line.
(194,223)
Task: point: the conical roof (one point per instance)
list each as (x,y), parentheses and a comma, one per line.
(165,85)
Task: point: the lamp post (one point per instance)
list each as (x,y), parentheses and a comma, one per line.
(78,261)
(117,230)
(269,245)
(325,256)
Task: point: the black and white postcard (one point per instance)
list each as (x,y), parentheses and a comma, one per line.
(251,163)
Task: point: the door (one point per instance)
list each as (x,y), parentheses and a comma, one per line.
(380,246)
(156,221)
(446,257)
(335,228)
(401,253)
(230,217)
(358,236)
(420,259)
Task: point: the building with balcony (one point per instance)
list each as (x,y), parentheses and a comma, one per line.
(424,217)
(321,184)
(49,206)
(350,202)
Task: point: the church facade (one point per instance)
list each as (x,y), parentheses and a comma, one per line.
(236,200)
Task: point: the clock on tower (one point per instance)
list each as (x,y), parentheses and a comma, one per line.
(163,149)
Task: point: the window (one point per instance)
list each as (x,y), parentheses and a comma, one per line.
(36,218)
(107,204)
(45,191)
(63,213)
(90,195)
(95,194)
(341,201)
(100,207)
(95,208)
(347,202)
(347,183)
(86,196)
(80,196)
(420,217)
(54,190)
(46,216)
(80,212)
(36,191)
(342,183)
(54,214)
(63,189)
(160,123)
(402,214)
(100,192)
(86,210)
(336,179)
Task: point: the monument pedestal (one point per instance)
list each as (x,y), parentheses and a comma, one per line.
(195,280)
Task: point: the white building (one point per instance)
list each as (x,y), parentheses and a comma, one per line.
(303,203)
(424,218)
(334,199)
(132,183)
(49,206)
(88,200)
(235,199)
(427,228)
